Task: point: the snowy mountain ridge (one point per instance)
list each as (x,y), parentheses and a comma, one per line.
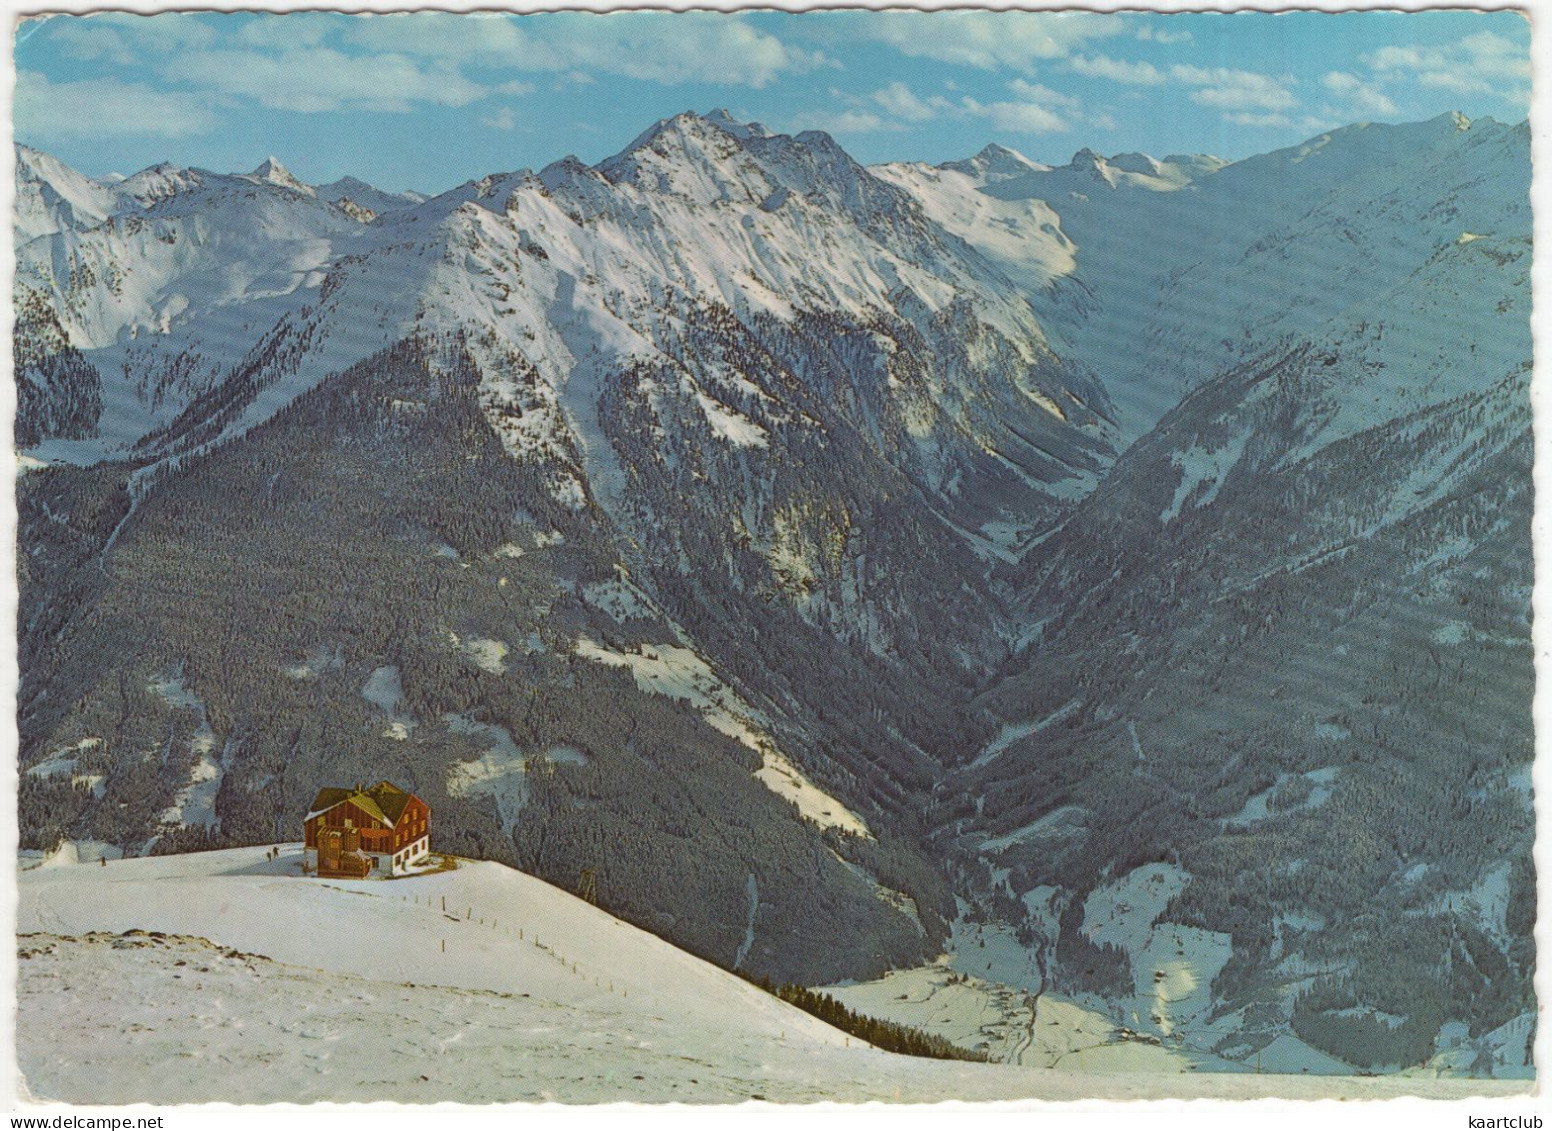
(767,225)
(945,541)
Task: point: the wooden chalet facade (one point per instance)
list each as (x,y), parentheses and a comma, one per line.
(355,833)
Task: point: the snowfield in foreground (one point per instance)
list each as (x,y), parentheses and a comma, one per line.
(264,986)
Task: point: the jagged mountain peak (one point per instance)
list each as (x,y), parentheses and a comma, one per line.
(51,195)
(1093,166)
(159,181)
(367,195)
(271,171)
(994,163)
(569,168)
(38,165)
(725,122)
(685,126)
(718,137)
(346,184)
(271,167)
(160,169)
(716,159)
(28,157)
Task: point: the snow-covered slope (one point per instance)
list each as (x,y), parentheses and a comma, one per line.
(1322,356)
(362,195)
(1011,208)
(1158,274)
(169,279)
(1023,236)
(1244,609)
(577,271)
(1352,229)
(227,976)
(51,196)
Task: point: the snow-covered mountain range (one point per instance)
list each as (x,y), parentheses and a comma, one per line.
(823,554)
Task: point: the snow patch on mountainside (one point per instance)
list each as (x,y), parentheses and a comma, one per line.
(1012,733)
(499,773)
(323,658)
(194,804)
(1023,237)
(1173,965)
(384,690)
(784,779)
(1014,1026)
(621,600)
(1198,466)
(1061,822)
(64,762)
(666,669)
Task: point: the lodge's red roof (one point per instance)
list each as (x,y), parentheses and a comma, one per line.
(385,801)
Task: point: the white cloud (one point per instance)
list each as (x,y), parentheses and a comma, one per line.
(663,47)
(1025,117)
(320,62)
(127,39)
(986,40)
(899,100)
(677,48)
(1018,117)
(1034,109)
(1454,81)
(1038,110)
(1359,94)
(1116,70)
(1228,89)
(503,119)
(842,122)
(1261,121)
(317,79)
(1162,35)
(477,38)
(1482,63)
(1035,92)
(101,41)
(1393,58)
(94,108)
(295,29)
(1308,125)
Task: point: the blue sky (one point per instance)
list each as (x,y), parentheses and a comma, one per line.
(427,101)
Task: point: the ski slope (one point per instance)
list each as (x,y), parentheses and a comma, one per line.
(266,986)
